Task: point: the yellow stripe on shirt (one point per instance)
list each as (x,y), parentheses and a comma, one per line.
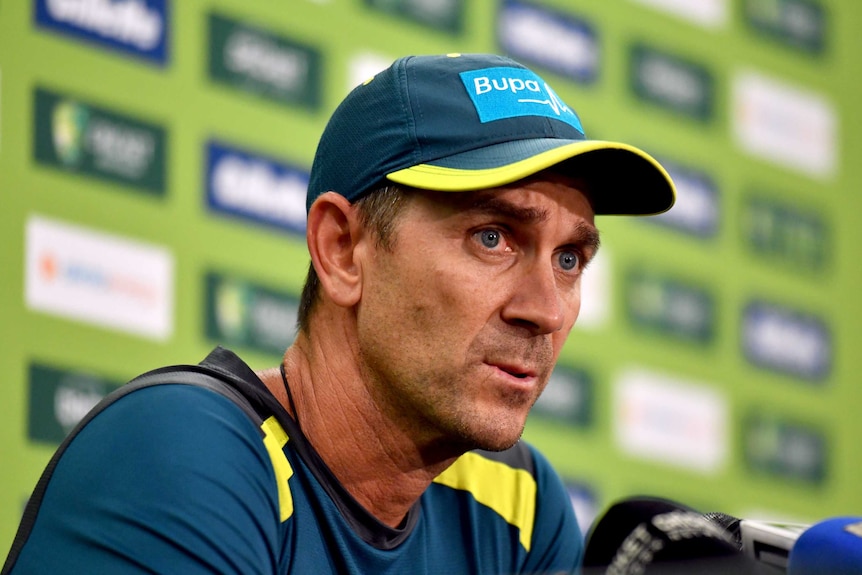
(510,492)
(274,440)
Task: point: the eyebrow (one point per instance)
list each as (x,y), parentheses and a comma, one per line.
(493,205)
(587,235)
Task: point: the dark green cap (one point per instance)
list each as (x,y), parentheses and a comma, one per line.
(474,121)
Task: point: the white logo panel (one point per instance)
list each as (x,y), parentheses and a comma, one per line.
(783,124)
(675,422)
(99,278)
(707,13)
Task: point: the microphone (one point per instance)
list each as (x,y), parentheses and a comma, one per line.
(649,535)
(832,546)
(766,542)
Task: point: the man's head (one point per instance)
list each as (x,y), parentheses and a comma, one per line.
(457,122)
(454,318)
(451,211)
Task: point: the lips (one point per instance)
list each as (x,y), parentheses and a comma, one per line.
(517,371)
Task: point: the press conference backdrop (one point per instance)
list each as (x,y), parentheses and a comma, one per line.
(153,162)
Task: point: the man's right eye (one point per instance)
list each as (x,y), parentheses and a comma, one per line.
(489,238)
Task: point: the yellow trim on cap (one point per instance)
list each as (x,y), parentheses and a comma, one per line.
(441,179)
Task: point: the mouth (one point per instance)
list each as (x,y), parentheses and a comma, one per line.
(515,371)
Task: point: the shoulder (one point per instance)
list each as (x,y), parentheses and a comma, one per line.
(170,417)
(476,469)
(508,482)
(520,467)
(520,486)
(180,470)
(171,441)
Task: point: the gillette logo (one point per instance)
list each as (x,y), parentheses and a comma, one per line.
(131,22)
(137,27)
(499,93)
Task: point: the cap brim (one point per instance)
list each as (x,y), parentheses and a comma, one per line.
(621,179)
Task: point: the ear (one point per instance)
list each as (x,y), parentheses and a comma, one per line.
(333,234)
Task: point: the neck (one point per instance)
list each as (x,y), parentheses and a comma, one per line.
(379,463)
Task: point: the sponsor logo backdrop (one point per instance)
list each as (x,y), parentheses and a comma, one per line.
(154,157)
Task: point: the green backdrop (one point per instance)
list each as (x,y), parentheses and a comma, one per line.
(152,166)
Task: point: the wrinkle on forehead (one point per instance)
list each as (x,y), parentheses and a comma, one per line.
(495,205)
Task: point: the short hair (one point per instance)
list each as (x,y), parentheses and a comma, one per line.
(378,212)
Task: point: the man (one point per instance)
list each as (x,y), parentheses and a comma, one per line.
(429,324)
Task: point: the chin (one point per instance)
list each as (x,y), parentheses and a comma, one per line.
(498,439)
(490,429)
(498,446)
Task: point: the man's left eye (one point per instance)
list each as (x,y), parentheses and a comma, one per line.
(568,260)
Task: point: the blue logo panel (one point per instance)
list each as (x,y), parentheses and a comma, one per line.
(499,93)
(136,27)
(787,341)
(523,30)
(698,204)
(255,188)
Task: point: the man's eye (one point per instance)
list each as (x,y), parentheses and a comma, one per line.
(569,260)
(489,238)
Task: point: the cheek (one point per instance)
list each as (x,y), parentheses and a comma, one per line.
(573,302)
(442,302)
(416,300)
(573,310)
(445,312)
(440,285)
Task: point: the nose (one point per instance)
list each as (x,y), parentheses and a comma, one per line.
(536,302)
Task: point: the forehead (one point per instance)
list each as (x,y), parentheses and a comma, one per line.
(532,199)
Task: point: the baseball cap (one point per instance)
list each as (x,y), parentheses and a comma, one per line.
(460,122)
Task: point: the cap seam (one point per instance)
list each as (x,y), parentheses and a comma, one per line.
(409,108)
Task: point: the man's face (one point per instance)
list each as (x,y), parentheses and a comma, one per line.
(461,322)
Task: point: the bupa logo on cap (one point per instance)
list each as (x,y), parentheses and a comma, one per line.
(505,92)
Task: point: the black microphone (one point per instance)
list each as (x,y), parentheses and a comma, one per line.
(655,536)
(768,542)
(832,546)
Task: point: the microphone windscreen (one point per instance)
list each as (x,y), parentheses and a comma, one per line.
(832,546)
(728,523)
(652,535)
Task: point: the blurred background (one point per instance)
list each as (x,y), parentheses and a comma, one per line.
(153,163)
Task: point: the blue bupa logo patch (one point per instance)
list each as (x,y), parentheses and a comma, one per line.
(499,93)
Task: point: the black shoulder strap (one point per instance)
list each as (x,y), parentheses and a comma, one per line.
(196,375)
